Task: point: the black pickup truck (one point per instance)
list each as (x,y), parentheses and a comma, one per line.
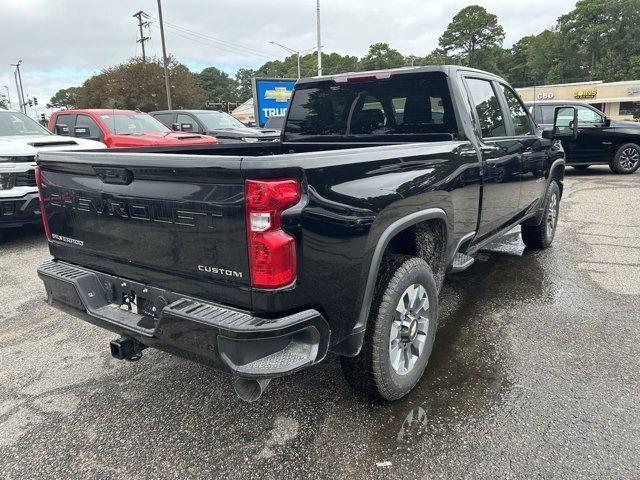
(600,140)
(259,259)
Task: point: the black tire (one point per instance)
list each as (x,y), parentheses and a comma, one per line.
(626,160)
(372,371)
(582,168)
(541,236)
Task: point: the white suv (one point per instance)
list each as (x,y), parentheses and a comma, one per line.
(21,138)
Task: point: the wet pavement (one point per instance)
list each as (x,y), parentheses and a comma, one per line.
(535,374)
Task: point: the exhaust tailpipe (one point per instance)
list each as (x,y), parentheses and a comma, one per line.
(249,389)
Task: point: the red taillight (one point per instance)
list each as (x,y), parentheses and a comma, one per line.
(272,252)
(43,213)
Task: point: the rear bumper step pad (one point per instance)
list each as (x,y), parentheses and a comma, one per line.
(225,338)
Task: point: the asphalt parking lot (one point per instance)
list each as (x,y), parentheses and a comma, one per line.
(535,374)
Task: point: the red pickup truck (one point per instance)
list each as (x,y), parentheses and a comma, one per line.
(122,128)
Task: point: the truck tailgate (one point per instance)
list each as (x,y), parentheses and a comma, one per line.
(173,221)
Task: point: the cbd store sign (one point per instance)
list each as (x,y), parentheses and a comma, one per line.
(545,96)
(591,92)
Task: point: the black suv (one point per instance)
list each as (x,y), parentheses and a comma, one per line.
(601,141)
(221,125)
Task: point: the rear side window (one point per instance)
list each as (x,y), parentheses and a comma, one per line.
(519,116)
(486,103)
(380,110)
(64,124)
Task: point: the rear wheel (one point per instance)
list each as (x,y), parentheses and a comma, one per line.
(626,159)
(542,235)
(400,331)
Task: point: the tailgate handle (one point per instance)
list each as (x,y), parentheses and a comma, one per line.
(117,176)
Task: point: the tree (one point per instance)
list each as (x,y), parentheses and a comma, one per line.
(381,56)
(65,98)
(243,83)
(136,84)
(4,103)
(471,31)
(217,85)
(439,56)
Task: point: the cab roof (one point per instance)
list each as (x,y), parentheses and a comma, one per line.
(449,70)
(100,111)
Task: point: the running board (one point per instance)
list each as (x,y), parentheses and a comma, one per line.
(461,262)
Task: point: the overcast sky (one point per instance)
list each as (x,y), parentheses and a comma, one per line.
(63,42)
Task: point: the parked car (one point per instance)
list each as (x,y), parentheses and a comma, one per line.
(121,128)
(339,242)
(601,141)
(21,138)
(219,124)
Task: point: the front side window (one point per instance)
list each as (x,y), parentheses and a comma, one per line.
(132,124)
(548,113)
(519,117)
(487,106)
(165,118)
(16,124)
(183,118)
(588,116)
(87,122)
(218,120)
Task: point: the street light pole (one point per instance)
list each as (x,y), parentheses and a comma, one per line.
(290,50)
(295,52)
(319,41)
(164,58)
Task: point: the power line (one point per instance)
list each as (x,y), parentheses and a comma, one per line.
(236,48)
(220,47)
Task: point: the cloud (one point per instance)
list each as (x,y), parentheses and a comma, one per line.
(62,43)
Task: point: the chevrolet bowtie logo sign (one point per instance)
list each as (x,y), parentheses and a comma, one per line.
(279,94)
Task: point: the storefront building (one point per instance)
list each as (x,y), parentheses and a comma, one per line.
(618,100)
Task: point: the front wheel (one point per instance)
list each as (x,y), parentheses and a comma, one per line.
(542,235)
(400,331)
(627,159)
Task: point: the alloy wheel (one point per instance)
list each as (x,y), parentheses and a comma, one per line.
(552,215)
(409,329)
(629,158)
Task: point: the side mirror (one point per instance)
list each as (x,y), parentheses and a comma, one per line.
(565,123)
(175,127)
(61,129)
(186,127)
(81,132)
(607,122)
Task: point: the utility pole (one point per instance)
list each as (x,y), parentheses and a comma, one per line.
(142,37)
(19,86)
(164,58)
(8,96)
(319,41)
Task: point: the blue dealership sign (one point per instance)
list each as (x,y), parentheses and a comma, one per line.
(271,97)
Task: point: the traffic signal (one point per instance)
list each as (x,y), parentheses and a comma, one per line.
(30,103)
(35,101)
(42,118)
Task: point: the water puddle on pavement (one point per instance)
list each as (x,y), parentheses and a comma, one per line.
(468,374)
